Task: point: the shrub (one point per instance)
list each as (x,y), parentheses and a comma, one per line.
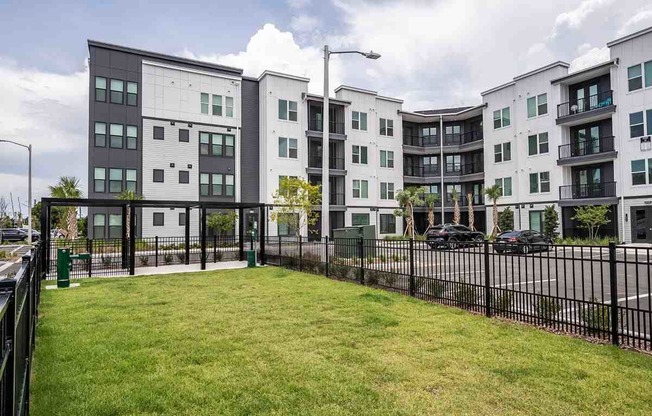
(466,294)
(389,279)
(167,258)
(371,277)
(370,260)
(218,256)
(181,257)
(144,260)
(506,219)
(4,255)
(597,318)
(547,308)
(382,258)
(433,287)
(502,301)
(106,261)
(396,257)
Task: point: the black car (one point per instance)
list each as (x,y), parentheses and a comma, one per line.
(524,242)
(12,234)
(35,234)
(452,236)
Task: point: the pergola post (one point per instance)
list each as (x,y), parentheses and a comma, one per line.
(124,236)
(45,236)
(261,234)
(241,232)
(187,226)
(132,240)
(203,237)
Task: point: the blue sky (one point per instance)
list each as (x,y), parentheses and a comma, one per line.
(435,53)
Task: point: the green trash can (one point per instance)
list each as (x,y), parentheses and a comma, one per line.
(251,258)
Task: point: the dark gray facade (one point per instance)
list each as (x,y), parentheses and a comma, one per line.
(250,142)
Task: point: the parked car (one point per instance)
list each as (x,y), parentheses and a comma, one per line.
(452,236)
(56,233)
(523,241)
(35,234)
(12,234)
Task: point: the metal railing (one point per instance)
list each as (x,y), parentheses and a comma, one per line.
(582,105)
(336,127)
(594,292)
(463,200)
(592,190)
(336,198)
(421,141)
(587,147)
(462,138)
(421,171)
(314,161)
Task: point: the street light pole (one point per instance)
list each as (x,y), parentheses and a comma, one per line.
(325,174)
(29,188)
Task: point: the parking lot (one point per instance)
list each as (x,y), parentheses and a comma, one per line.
(11,261)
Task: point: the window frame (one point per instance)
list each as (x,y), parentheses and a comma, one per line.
(501,118)
(131,185)
(638,78)
(538,104)
(131,140)
(216,105)
(386,127)
(538,144)
(360,155)
(360,188)
(132,97)
(160,129)
(229,107)
(158,215)
(115,181)
(184,177)
(291,110)
(632,134)
(388,191)
(643,173)
(120,91)
(387,224)
(116,136)
(291,144)
(204,104)
(361,120)
(184,135)
(162,175)
(387,159)
(97,227)
(501,182)
(97,181)
(102,135)
(359,215)
(101,90)
(505,148)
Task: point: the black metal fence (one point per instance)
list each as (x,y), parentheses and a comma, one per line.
(19,300)
(594,292)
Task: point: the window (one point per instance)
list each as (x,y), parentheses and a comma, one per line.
(536,221)
(159,133)
(648,73)
(117,91)
(634,77)
(115,181)
(229,106)
(217,182)
(159,219)
(386,127)
(539,182)
(132,137)
(286,226)
(132,93)
(359,154)
(287,148)
(204,143)
(538,144)
(100,89)
(649,121)
(217,105)
(503,152)
(287,110)
(229,146)
(505,185)
(184,135)
(99,221)
(501,118)
(131,179)
(386,190)
(359,121)
(638,171)
(115,225)
(182,219)
(159,175)
(453,163)
(229,181)
(453,130)
(204,184)
(359,219)
(100,134)
(116,132)
(537,106)
(99,180)
(215,144)
(203,100)
(184,176)
(636,124)
(387,224)
(428,131)
(386,159)
(360,189)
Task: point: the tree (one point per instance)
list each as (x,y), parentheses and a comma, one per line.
(592,217)
(469,197)
(494,192)
(506,219)
(128,195)
(82,226)
(550,222)
(67,187)
(407,199)
(431,200)
(221,222)
(5,220)
(294,202)
(36,216)
(456,207)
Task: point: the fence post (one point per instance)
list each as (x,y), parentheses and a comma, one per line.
(361,255)
(300,254)
(487,292)
(187,236)
(280,257)
(326,239)
(613,285)
(214,248)
(156,251)
(89,250)
(411,266)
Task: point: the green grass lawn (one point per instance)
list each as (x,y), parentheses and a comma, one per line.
(271,341)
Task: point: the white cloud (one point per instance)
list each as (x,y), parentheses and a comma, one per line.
(298,4)
(589,56)
(304,23)
(573,19)
(640,20)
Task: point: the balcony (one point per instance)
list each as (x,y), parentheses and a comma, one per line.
(421,171)
(420,141)
(583,110)
(336,198)
(315,161)
(459,139)
(317,124)
(588,191)
(587,151)
(463,200)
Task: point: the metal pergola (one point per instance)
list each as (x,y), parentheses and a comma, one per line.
(129,245)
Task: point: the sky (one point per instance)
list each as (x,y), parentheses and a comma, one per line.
(435,53)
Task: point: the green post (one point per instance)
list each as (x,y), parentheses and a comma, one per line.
(63,267)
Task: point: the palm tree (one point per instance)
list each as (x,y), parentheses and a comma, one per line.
(456,208)
(128,195)
(494,192)
(469,197)
(407,200)
(431,200)
(68,187)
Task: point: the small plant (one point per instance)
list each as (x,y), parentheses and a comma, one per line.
(144,260)
(382,258)
(219,256)
(167,258)
(370,260)
(371,277)
(502,301)
(106,261)
(597,318)
(181,257)
(389,279)
(4,255)
(466,295)
(547,308)
(434,288)
(396,257)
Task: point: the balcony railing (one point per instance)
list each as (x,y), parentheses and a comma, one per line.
(314,161)
(456,169)
(582,105)
(421,171)
(421,141)
(336,127)
(592,190)
(463,200)
(587,147)
(336,198)
(462,138)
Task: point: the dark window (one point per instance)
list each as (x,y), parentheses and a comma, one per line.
(100,134)
(634,77)
(100,89)
(116,132)
(115,181)
(158,133)
(359,219)
(99,179)
(184,135)
(159,219)
(130,179)
(182,219)
(132,137)
(636,124)
(99,221)
(159,175)
(117,91)
(184,176)
(215,144)
(387,224)
(132,93)
(204,184)
(115,226)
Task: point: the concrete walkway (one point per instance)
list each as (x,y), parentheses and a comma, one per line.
(182,268)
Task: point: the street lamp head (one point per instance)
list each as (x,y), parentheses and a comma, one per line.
(372,55)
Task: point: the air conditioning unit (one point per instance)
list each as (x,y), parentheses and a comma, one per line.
(646,143)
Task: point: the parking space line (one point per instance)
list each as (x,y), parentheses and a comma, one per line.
(16,249)
(644,295)
(526,282)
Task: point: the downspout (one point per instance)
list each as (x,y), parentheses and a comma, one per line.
(441,167)
(622,176)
